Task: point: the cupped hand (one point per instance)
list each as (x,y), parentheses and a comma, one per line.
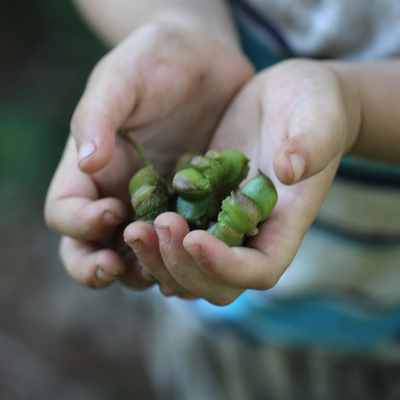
(169,87)
(294,122)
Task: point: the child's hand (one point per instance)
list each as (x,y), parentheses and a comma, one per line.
(294,122)
(170,86)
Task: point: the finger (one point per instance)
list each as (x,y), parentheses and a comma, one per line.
(108,99)
(135,277)
(309,149)
(90,265)
(267,255)
(71,207)
(172,229)
(143,240)
(84,219)
(238,267)
(260,264)
(314,127)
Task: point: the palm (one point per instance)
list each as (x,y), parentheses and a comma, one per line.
(260,130)
(171,92)
(293,109)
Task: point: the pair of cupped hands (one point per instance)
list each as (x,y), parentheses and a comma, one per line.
(181,92)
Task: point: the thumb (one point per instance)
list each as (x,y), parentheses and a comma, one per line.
(311,145)
(107,101)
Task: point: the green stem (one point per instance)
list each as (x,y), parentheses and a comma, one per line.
(131,138)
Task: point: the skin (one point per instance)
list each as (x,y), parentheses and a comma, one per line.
(294,121)
(307,112)
(160,81)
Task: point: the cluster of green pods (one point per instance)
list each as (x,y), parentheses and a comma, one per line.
(205,191)
(209,179)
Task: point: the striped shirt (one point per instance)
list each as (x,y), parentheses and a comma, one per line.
(343,287)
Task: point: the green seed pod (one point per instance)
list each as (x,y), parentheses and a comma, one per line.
(149,194)
(191,184)
(148,189)
(238,168)
(243,211)
(197,212)
(208,180)
(183,162)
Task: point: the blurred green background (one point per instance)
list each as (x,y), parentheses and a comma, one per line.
(58,340)
(46,56)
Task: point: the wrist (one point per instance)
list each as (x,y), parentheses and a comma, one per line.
(114,20)
(222,31)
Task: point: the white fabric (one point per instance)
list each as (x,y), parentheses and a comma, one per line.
(347,29)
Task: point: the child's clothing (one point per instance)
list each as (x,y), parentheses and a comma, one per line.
(340,29)
(341,294)
(343,288)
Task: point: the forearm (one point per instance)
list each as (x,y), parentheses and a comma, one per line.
(376,87)
(113,20)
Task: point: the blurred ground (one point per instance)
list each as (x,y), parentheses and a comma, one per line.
(57,340)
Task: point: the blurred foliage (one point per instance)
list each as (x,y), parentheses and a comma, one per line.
(46,55)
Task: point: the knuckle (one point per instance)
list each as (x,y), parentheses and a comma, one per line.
(211,269)
(174,267)
(214,272)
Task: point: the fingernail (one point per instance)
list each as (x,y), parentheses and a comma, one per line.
(111,219)
(136,245)
(163,233)
(298,165)
(86,149)
(195,251)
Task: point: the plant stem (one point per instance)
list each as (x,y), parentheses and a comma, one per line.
(131,138)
